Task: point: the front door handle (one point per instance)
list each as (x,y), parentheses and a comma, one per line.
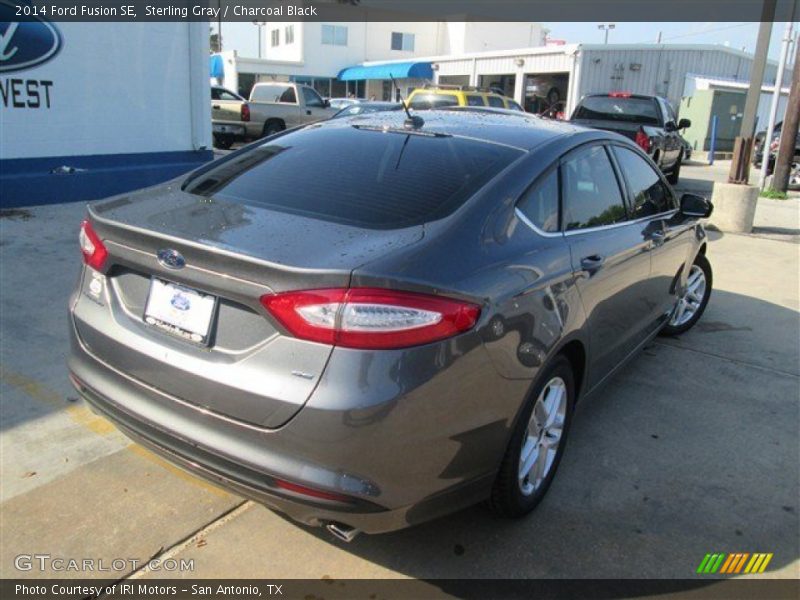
(215,106)
(592,263)
(308,112)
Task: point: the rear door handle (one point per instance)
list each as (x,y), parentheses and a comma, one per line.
(215,106)
(308,112)
(592,263)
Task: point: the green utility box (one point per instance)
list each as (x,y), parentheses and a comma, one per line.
(728,106)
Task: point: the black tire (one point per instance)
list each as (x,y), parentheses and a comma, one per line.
(507,498)
(273,127)
(673,330)
(675,174)
(223,142)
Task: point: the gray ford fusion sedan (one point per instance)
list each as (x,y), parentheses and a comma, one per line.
(373,321)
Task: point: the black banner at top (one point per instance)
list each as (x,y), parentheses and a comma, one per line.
(401,10)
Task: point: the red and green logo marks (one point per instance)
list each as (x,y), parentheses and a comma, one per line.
(732,564)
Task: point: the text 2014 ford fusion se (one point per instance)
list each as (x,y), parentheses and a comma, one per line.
(373,321)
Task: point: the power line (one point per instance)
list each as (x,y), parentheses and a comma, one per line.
(704,31)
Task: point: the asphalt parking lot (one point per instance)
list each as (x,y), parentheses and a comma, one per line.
(693,448)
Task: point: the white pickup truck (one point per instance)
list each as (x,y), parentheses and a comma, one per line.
(277,106)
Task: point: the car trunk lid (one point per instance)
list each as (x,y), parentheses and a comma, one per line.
(249,370)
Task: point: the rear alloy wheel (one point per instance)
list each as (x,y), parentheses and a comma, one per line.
(690,305)
(537,443)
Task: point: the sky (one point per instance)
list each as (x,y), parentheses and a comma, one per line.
(243,37)
(736,35)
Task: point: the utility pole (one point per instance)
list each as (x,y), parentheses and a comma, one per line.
(743,146)
(783,161)
(219,23)
(776,95)
(606,27)
(259,25)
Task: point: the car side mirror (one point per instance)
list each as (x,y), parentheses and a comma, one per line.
(684,124)
(670,126)
(696,206)
(326,103)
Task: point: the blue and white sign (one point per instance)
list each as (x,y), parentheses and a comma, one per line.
(25,44)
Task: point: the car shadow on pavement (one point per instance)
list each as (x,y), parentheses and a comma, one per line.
(691,449)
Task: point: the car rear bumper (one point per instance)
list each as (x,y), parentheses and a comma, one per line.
(394,466)
(238,130)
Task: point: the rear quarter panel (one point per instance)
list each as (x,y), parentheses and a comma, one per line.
(486,254)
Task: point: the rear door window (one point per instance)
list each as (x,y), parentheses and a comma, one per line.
(496,102)
(425,101)
(540,203)
(474,100)
(650,195)
(363,177)
(591,192)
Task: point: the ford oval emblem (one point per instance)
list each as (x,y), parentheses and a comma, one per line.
(172,259)
(181,302)
(25,43)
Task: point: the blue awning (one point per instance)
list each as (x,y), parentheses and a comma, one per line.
(215,66)
(406,70)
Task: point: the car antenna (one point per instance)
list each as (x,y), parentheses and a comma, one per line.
(413,121)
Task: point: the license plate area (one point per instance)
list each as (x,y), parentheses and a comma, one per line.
(234,129)
(180,311)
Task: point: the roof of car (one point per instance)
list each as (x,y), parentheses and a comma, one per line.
(492,127)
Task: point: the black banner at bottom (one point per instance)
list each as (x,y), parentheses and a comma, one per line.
(383,589)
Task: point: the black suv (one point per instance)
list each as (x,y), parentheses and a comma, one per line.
(650,121)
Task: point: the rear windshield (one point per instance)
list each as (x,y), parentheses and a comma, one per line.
(424,101)
(636,110)
(362,177)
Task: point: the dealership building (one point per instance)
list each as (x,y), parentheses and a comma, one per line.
(572,70)
(340,59)
(93,109)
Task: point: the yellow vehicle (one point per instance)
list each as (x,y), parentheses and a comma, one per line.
(458,95)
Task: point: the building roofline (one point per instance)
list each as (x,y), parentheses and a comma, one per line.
(569,49)
(738,84)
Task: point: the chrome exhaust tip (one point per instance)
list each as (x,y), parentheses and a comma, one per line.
(343,532)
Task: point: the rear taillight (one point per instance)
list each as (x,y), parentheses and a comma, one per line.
(310,492)
(370,318)
(245,112)
(92,248)
(643,140)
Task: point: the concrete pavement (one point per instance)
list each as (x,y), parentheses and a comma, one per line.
(775,219)
(693,448)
